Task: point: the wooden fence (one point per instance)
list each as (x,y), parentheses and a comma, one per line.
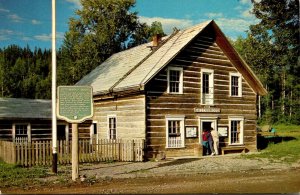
(40,152)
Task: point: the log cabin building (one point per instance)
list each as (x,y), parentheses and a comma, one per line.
(169,90)
(31,120)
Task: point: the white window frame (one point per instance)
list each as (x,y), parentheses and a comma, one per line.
(182,135)
(239,84)
(108,130)
(241,135)
(14,132)
(211,86)
(180,79)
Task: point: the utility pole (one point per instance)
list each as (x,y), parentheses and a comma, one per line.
(54,121)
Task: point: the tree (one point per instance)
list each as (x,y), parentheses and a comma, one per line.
(144,33)
(272,48)
(102,28)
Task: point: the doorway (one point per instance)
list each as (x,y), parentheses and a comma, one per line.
(206,124)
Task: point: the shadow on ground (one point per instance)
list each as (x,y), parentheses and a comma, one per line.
(263,141)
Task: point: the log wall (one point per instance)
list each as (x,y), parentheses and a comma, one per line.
(41,129)
(203,52)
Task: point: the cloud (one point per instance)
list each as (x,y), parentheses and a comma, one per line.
(4,10)
(213,15)
(168,23)
(43,37)
(15,18)
(237,25)
(76,3)
(26,38)
(245,2)
(6,34)
(35,22)
(48,37)
(4,38)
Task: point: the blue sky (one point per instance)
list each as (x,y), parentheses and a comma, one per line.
(25,22)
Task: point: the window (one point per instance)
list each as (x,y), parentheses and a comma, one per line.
(112,127)
(175,80)
(205,81)
(93,133)
(21,132)
(235,85)
(175,132)
(236,130)
(207,89)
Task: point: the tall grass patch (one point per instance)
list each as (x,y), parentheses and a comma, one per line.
(13,175)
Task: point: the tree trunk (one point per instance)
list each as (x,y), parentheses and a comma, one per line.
(283,95)
(291,104)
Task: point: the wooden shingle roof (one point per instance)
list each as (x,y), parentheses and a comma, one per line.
(135,67)
(19,108)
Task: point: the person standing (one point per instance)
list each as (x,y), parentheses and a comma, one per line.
(215,138)
(205,142)
(210,143)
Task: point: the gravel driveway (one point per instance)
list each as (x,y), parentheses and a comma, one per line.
(203,165)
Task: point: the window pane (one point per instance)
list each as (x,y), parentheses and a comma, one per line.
(174,128)
(234,85)
(112,128)
(205,82)
(174,81)
(21,130)
(235,131)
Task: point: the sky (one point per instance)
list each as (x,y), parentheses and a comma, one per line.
(28,22)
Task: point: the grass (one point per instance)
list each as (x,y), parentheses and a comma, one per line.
(286,151)
(13,175)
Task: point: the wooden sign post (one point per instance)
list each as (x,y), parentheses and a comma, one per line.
(75,154)
(75,105)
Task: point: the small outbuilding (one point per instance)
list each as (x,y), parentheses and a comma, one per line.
(31,120)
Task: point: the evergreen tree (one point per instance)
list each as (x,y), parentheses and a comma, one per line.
(272,48)
(103,28)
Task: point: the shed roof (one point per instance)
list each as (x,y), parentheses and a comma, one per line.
(19,108)
(135,67)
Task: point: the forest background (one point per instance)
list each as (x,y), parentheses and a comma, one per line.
(105,27)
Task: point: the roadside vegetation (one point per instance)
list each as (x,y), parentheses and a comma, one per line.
(14,175)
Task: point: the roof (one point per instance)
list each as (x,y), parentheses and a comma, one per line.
(135,67)
(18,108)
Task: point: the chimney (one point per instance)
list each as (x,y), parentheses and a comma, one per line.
(156,40)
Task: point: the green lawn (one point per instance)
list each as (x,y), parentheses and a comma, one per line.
(288,147)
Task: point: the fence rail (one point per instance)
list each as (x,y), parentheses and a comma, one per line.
(40,152)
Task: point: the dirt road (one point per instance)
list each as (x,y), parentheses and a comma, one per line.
(210,175)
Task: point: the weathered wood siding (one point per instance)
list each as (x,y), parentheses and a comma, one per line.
(130,116)
(5,130)
(41,129)
(203,52)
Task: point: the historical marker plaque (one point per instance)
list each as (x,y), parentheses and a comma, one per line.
(75,103)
